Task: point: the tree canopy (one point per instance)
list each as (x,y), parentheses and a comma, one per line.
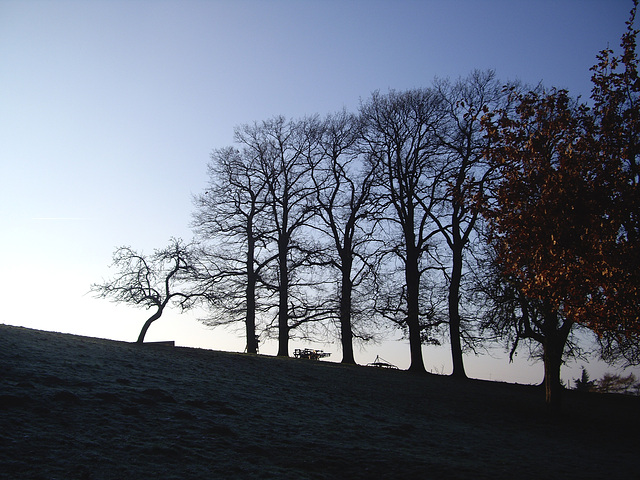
(564,217)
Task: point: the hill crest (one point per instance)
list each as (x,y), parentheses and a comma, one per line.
(81,407)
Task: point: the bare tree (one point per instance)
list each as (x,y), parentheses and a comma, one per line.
(229,224)
(153,281)
(466,174)
(343,184)
(400,136)
(285,152)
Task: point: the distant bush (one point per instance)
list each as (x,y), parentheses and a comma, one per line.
(609,383)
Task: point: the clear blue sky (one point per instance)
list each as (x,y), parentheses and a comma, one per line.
(109,110)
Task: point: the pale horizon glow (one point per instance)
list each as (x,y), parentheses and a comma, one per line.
(111,108)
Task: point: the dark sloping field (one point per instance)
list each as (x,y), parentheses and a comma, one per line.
(83,408)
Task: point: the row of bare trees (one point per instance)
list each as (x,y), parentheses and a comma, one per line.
(352,220)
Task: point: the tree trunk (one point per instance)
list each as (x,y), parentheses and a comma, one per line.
(148,323)
(346,334)
(250,322)
(553,348)
(555,334)
(283,301)
(412,277)
(454,314)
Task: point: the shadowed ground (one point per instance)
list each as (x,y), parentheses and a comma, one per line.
(83,408)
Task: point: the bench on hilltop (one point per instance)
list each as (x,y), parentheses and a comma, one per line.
(310,354)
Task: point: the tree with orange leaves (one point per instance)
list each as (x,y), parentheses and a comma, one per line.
(564,221)
(616,96)
(545,217)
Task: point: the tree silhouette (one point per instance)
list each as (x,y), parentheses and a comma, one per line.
(153,281)
(465,180)
(346,215)
(284,153)
(399,132)
(228,220)
(584,384)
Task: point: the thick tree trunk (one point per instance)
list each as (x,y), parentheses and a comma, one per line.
(454,315)
(283,327)
(553,348)
(250,322)
(412,277)
(346,334)
(148,323)
(555,333)
(283,302)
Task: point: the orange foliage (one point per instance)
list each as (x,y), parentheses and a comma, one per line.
(565,219)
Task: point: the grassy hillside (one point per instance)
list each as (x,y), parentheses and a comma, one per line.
(86,408)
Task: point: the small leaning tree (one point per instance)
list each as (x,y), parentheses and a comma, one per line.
(167,276)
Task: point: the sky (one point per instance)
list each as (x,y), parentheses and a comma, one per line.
(109,111)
